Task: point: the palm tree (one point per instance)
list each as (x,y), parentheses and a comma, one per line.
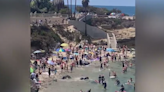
(75,9)
(68,7)
(71,8)
(85,4)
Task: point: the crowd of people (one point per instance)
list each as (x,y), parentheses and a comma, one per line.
(82,55)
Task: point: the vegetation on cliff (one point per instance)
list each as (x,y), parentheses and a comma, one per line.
(75,36)
(43,37)
(98,11)
(45,6)
(111,23)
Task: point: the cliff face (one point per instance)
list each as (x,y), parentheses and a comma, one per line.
(125,36)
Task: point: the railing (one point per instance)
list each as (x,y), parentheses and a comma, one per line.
(48,15)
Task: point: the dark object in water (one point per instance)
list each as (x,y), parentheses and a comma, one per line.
(66,77)
(86,63)
(84,78)
(89,90)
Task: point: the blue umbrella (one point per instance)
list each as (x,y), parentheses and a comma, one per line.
(110,50)
(60,50)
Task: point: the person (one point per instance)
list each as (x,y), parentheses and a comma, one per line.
(36,64)
(100,59)
(131,80)
(37,77)
(100,78)
(33,75)
(119,57)
(71,67)
(49,71)
(122,88)
(123,64)
(55,71)
(81,63)
(81,91)
(105,84)
(37,85)
(114,73)
(101,66)
(117,82)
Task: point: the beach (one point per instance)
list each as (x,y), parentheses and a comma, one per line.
(92,71)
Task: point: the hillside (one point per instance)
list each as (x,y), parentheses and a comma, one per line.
(43,37)
(110,24)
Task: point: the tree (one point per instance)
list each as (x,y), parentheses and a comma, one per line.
(68,7)
(63,11)
(75,9)
(71,8)
(85,4)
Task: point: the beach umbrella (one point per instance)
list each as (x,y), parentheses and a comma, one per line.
(60,50)
(110,50)
(31,70)
(42,51)
(64,44)
(37,51)
(50,62)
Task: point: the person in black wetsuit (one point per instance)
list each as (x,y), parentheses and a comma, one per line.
(104,84)
(100,78)
(81,63)
(123,64)
(101,66)
(100,59)
(122,88)
(117,82)
(49,71)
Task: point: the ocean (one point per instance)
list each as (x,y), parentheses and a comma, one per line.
(130,10)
